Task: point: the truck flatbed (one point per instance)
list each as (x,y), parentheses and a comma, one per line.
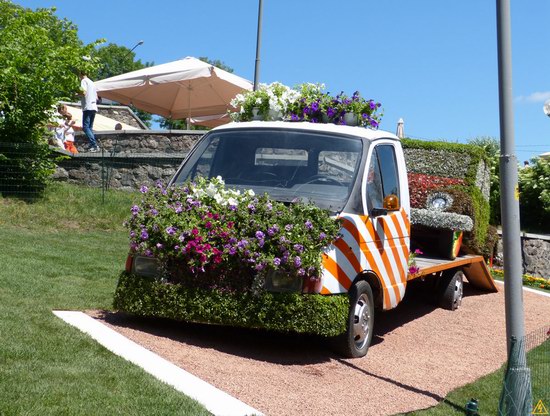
(473,266)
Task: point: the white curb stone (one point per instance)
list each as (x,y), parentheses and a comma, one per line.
(215,400)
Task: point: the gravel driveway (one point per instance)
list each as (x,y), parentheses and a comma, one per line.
(419,354)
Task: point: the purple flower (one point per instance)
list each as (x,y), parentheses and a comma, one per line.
(289,227)
(277,261)
(252,207)
(135,210)
(299,248)
(372,105)
(181,237)
(315,106)
(306,110)
(132,234)
(260,235)
(268,206)
(374,124)
(331,112)
(322,236)
(261,243)
(365,115)
(144,235)
(159,246)
(143,189)
(232,251)
(297,261)
(242,243)
(308,225)
(301,272)
(260,266)
(154,212)
(294,117)
(171,230)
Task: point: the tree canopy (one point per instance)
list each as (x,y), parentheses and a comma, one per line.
(41,55)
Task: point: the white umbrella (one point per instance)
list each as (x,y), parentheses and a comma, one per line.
(400,129)
(181,89)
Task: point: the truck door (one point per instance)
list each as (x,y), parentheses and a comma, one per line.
(386,232)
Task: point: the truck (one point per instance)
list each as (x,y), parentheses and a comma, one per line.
(359,175)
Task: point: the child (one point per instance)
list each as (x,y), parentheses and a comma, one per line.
(69,134)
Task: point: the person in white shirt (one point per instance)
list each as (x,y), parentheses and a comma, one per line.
(88,100)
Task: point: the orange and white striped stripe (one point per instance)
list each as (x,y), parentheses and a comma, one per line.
(379,245)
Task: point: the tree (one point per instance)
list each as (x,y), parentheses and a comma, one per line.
(534,186)
(40,56)
(115,60)
(217,63)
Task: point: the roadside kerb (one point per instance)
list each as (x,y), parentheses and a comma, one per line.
(215,400)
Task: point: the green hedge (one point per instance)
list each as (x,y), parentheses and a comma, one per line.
(285,312)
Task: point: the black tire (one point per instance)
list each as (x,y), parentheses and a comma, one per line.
(451,289)
(355,342)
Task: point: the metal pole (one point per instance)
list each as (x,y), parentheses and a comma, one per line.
(258,45)
(509,205)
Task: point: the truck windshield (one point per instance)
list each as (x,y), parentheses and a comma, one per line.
(286,164)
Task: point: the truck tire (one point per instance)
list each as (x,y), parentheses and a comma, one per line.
(355,342)
(451,289)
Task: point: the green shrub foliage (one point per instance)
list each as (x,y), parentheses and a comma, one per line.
(534,186)
(284,312)
(40,54)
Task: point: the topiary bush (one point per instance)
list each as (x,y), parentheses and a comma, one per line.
(284,312)
(459,169)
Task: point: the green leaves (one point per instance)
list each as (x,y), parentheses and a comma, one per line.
(40,54)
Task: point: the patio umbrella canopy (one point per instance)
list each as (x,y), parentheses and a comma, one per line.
(181,89)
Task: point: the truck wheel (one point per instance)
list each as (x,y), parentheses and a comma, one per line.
(355,342)
(452,289)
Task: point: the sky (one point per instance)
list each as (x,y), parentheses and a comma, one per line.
(431,62)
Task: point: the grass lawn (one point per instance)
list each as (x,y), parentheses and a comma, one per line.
(65,252)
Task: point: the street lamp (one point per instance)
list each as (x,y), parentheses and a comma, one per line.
(131,50)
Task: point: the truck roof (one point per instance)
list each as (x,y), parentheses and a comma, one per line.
(365,133)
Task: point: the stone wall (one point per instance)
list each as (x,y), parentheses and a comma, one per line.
(535,254)
(128,159)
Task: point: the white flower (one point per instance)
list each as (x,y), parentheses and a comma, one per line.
(211,190)
(233,201)
(250,192)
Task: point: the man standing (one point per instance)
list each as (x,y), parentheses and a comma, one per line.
(88,101)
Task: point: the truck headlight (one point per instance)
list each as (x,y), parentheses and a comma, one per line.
(278,281)
(146,266)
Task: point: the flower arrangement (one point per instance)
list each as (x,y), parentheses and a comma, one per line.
(209,236)
(413,268)
(268,102)
(528,280)
(305,102)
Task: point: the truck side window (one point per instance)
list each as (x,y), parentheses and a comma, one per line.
(382,179)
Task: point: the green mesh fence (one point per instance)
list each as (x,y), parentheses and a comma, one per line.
(526,388)
(111,168)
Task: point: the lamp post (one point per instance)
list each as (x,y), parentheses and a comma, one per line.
(135,46)
(258,44)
